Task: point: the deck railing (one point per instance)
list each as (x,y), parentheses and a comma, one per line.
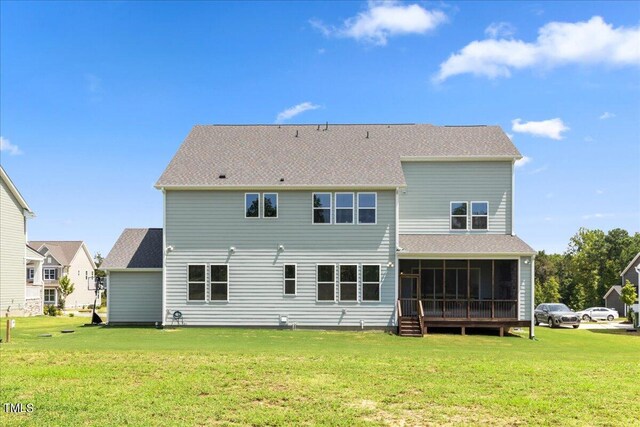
(459,308)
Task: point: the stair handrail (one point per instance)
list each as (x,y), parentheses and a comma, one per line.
(421,316)
(399,308)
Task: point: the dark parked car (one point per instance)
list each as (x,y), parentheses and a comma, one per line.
(555,315)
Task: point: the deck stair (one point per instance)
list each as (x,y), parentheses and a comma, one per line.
(409,326)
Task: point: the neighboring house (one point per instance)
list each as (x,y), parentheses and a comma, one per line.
(65,258)
(612,300)
(343,226)
(16,297)
(632,274)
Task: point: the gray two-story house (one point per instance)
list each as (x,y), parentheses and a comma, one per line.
(330,226)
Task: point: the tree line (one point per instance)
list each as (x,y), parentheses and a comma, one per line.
(591,264)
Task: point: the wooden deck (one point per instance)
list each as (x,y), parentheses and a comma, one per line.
(414,323)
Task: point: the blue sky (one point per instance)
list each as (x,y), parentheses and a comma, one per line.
(96,97)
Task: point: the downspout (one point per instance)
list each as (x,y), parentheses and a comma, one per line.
(532,331)
(108,297)
(164,256)
(513,195)
(395,250)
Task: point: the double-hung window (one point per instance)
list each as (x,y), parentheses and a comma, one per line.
(290,279)
(49,296)
(196,282)
(458,215)
(326,282)
(479,215)
(344,208)
(270,205)
(348,283)
(367,208)
(30,273)
(321,208)
(219,282)
(50,274)
(252,205)
(370,283)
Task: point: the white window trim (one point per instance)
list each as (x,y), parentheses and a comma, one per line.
(353,208)
(356,283)
(244,203)
(55,297)
(44,273)
(197,282)
(458,216)
(479,216)
(211,282)
(334,284)
(284,279)
(262,207)
(379,282)
(313,209)
(31,272)
(375,208)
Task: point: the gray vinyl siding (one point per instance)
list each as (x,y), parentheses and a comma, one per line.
(526,288)
(614,301)
(12,252)
(135,297)
(203,225)
(431,186)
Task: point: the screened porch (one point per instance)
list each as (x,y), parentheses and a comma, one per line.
(459,289)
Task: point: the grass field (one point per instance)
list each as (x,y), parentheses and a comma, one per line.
(200,376)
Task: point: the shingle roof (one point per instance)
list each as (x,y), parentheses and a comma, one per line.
(309,155)
(136,248)
(463,244)
(62,250)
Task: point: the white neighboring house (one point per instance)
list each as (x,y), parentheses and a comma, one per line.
(65,258)
(16,298)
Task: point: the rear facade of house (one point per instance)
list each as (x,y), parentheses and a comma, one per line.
(341,226)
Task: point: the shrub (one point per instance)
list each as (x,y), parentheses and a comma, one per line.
(71,314)
(51,310)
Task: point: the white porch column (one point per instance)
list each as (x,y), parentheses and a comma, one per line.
(37,272)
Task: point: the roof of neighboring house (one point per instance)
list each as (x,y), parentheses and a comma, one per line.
(32,254)
(463,244)
(310,156)
(634,263)
(136,248)
(14,191)
(64,251)
(616,288)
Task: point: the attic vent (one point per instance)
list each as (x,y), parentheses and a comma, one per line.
(222,176)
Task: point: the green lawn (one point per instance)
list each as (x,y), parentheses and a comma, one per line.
(207,376)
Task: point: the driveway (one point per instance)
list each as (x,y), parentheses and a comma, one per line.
(606,325)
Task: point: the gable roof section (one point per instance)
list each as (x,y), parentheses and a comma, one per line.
(31,254)
(62,250)
(616,288)
(310,156)
(634,263)
(463,244)
(14,191)
(136,248)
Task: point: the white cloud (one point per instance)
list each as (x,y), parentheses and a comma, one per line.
(538,170)
(558,43)
(295,110)
(500,29)
(597,216)
(523,161)
(6,145)
(599,191)
(551,128)
(607,115)
(383,19)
